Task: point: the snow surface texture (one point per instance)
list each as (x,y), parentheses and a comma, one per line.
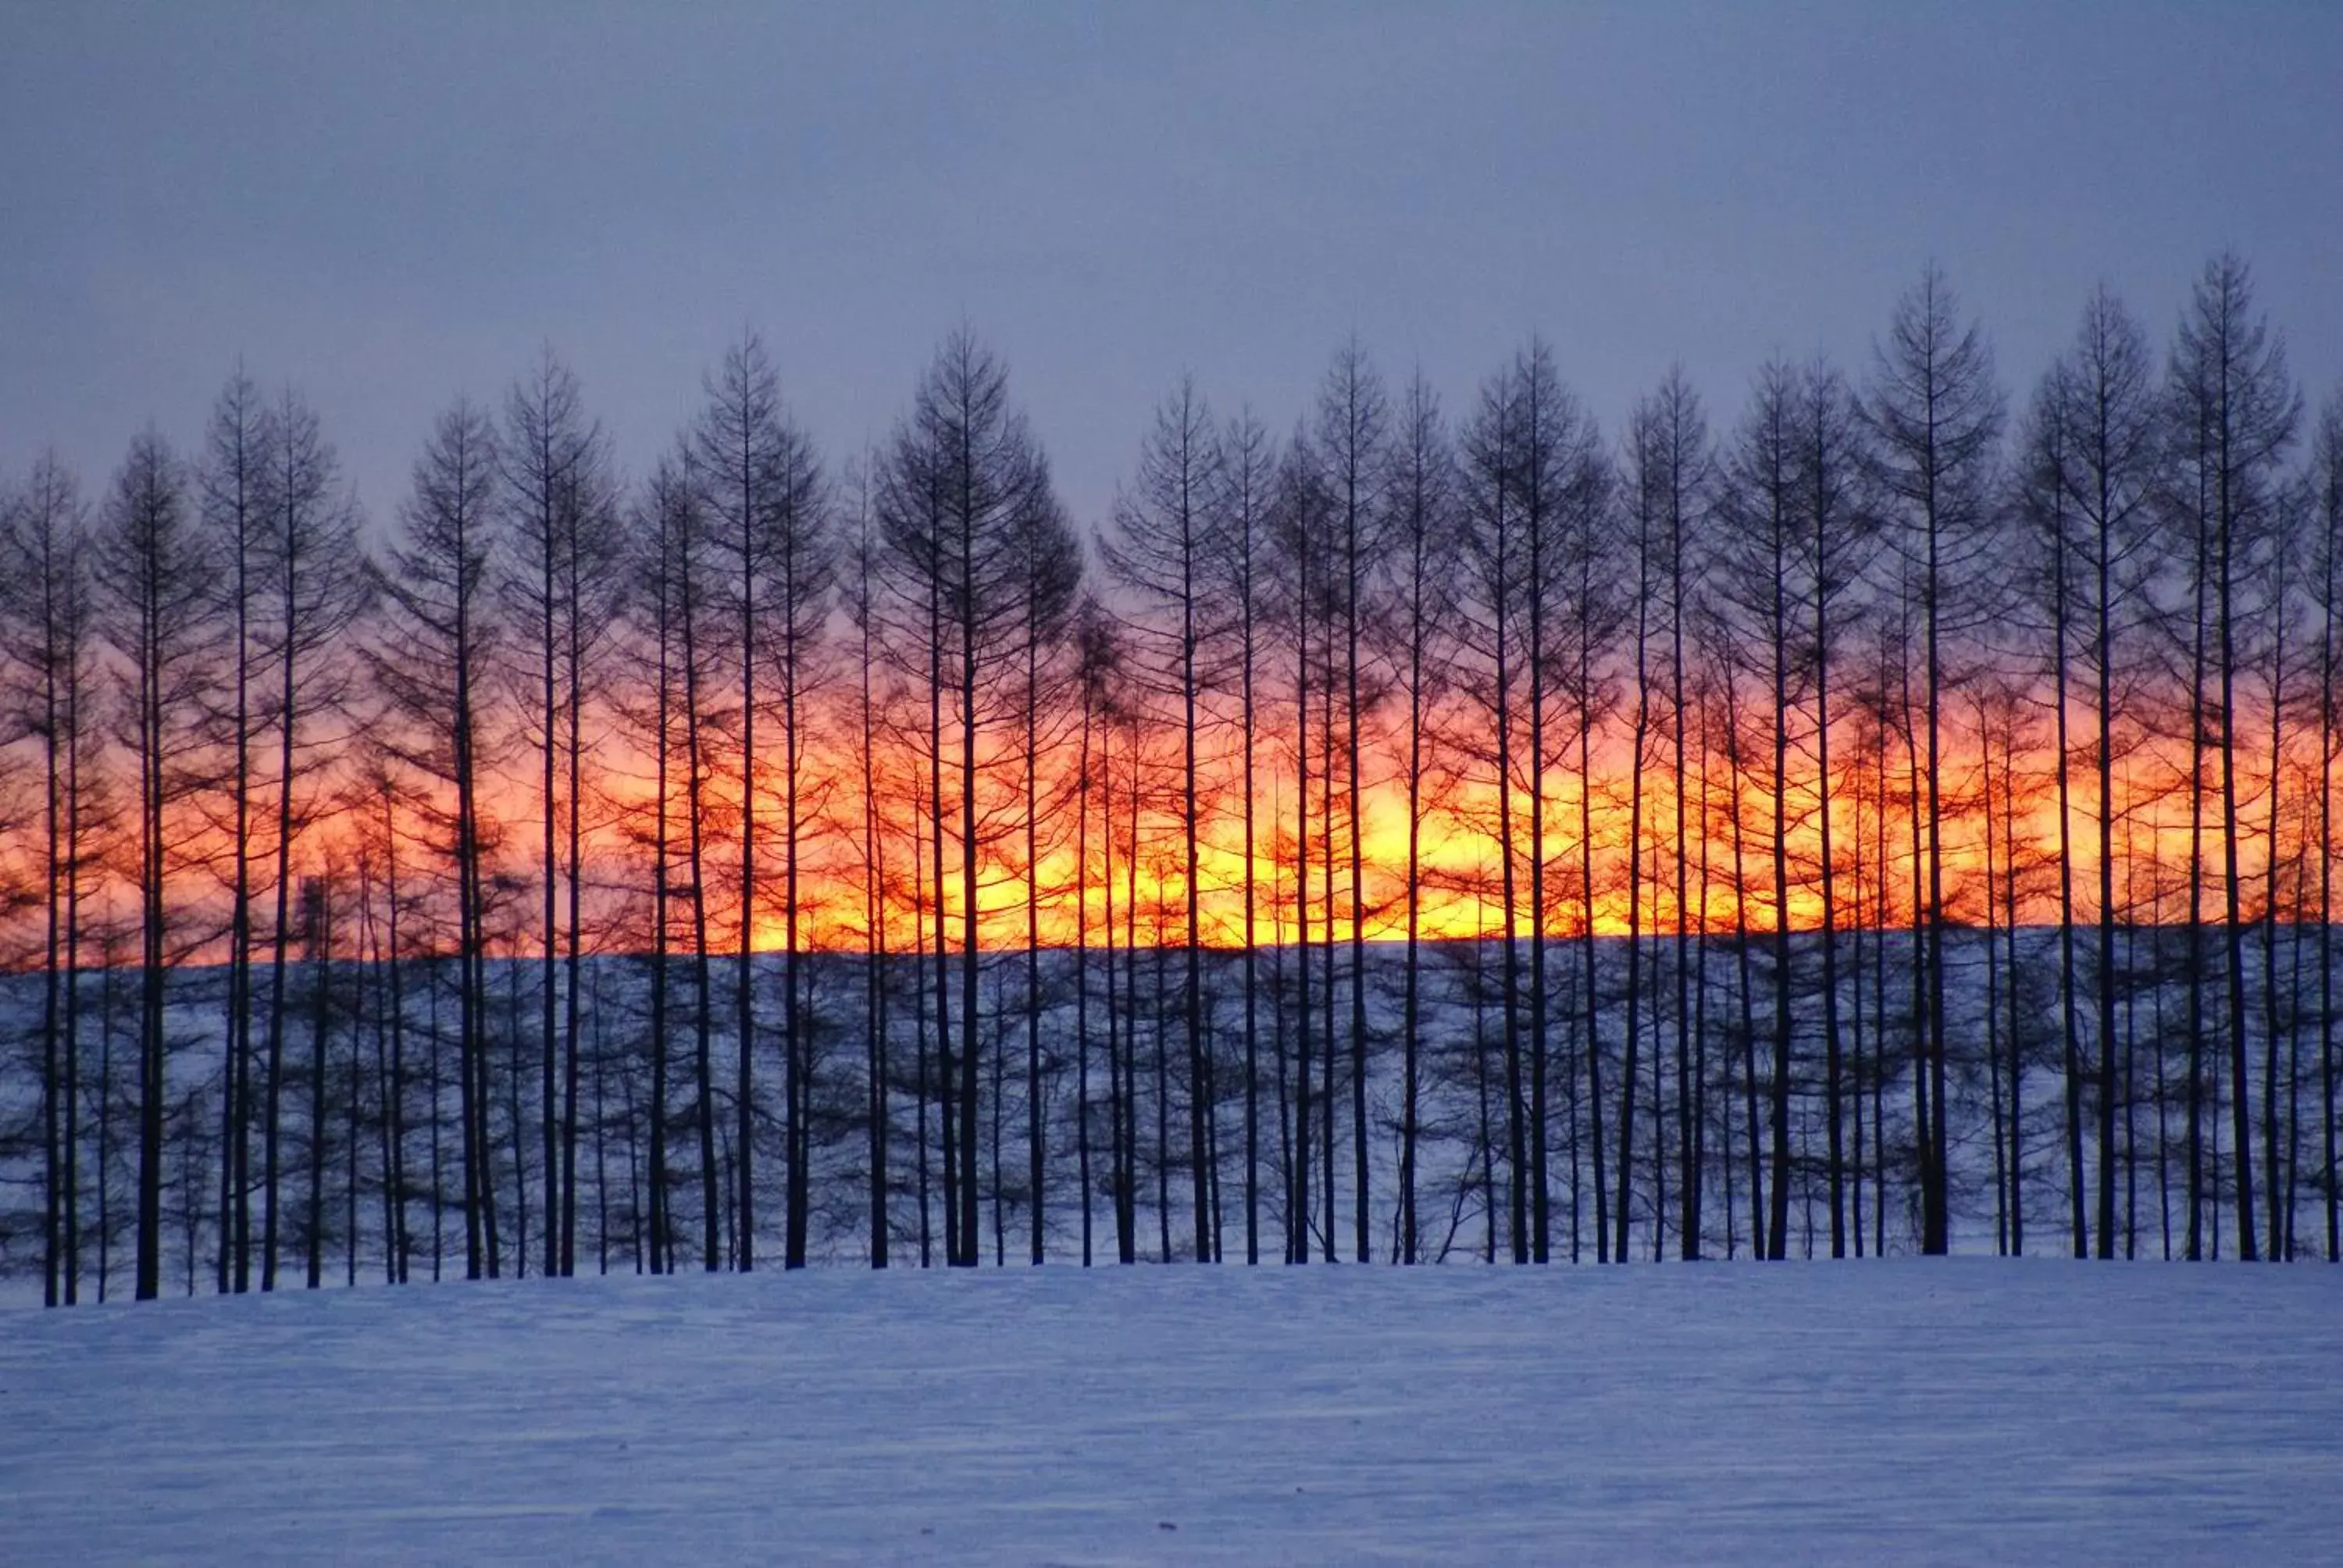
(1909,1410)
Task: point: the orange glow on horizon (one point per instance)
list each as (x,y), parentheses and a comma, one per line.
(1458,851)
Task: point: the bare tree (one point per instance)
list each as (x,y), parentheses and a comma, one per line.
(2325,505)
(2232,413)
(154,571)
(967,513)
(233,481)
(1352,418)
(1238,571)
(2087,471)
(1935,413)
(767,511)
(1300,536)
(691,711)
(1835,557)
(1672,471)
(1666,471)
(1414,641)
(858,594)
(1162,528)
(1538,622)
(560,580)
(1761,579)
(316,586)
(48,645)
(433,665)
(1490,615)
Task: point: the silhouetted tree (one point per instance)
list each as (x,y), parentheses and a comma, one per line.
(48,645)
(1237,572)
(1415,642)
(1353,418)
(314,587)
(1935,413)
(2325,507)
(973,530)
(1163,526)
(232,481)
(154,571)
(434,666)
(2232,415)
(767,514)
(2087,470)
(559,581)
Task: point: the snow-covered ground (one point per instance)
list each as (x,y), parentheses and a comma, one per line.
(1902,1412)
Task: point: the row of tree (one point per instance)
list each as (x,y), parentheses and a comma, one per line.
(1406,835)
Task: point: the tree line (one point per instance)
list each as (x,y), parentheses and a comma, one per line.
(1884,819)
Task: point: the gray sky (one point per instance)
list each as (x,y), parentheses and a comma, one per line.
(387,206)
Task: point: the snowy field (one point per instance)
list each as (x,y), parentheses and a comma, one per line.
(1969,1410)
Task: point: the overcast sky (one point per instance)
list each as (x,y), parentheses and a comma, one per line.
(388,205)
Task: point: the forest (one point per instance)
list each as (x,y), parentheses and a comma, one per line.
(1889,814)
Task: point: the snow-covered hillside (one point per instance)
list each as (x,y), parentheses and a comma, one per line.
(1908,1411)
(390,1146)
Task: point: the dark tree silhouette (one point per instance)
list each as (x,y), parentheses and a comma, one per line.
(433,667)
(154,571)
(967,513)
(1935,412)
